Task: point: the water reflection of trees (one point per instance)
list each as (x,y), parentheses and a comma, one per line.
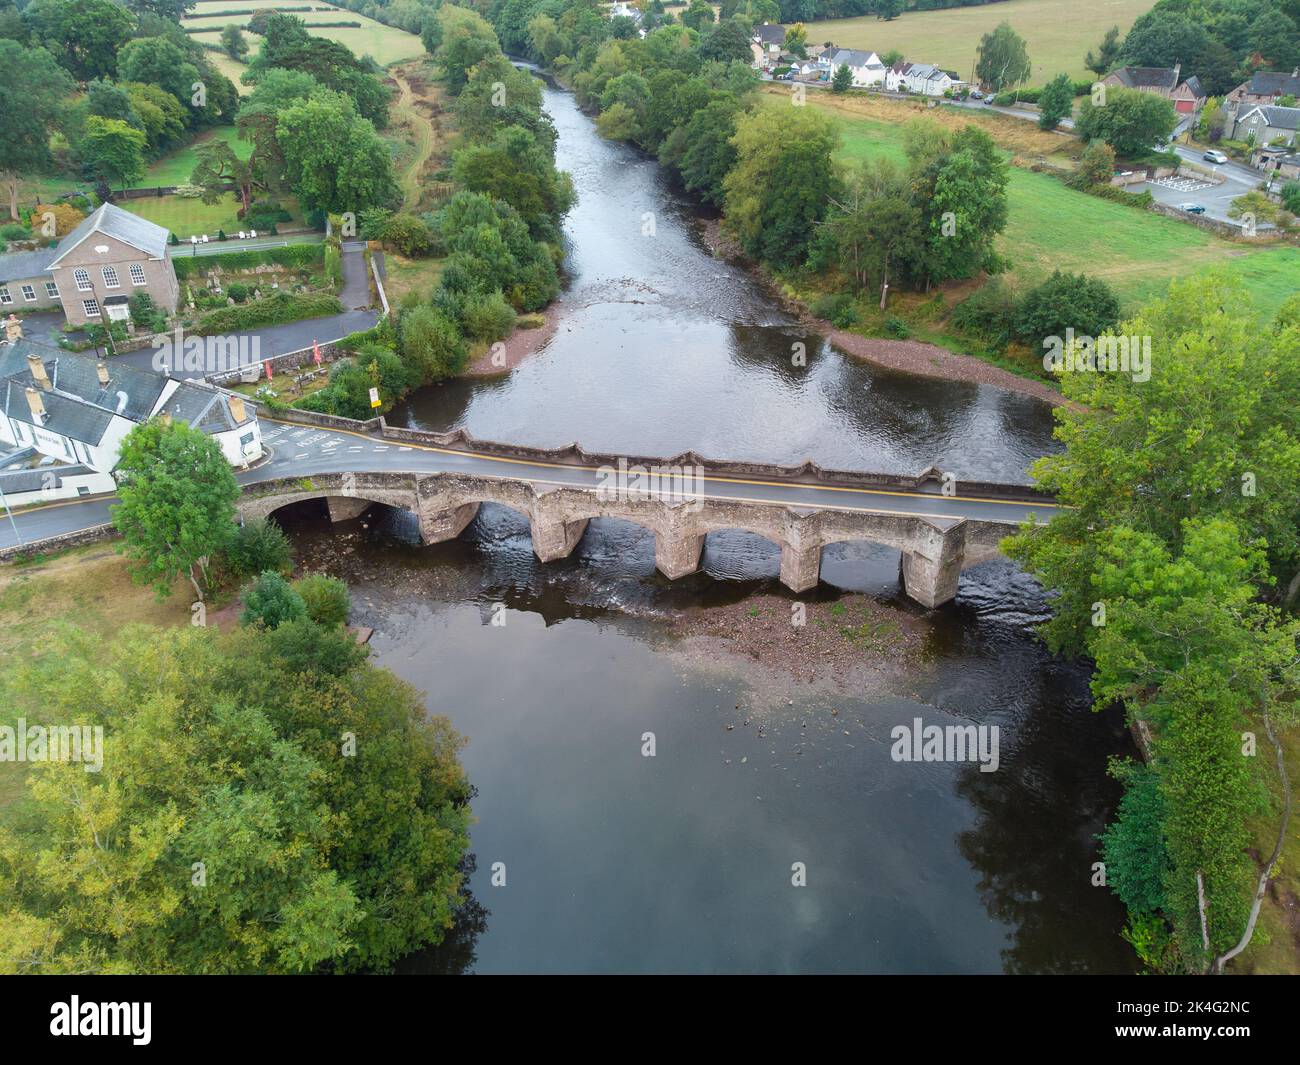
(1037,818)
(458,951)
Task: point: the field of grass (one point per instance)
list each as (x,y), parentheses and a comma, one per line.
(1058,32)
(176,167)
(231,68)
(386,44)
(1050,225)
(190,216)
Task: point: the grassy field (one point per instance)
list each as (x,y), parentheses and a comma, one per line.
(192,217)
(1051,225)
(176,167)
(1058,32)
(231,68)
(386,44)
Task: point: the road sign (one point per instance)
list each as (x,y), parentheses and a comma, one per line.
(374,397)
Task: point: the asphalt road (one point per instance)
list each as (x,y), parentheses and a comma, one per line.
(1216,199)
(300,451)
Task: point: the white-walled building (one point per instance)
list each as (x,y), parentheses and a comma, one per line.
(866,67)
(78,410)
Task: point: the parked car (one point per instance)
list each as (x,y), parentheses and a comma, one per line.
(975,94)
(1215,156)
(1192,208)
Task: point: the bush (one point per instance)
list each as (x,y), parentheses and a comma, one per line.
(1291,196)
(431,344)
(146,314)
(327,599)
(273,310)
(988,313)
(488,317)
(405,234)
(292,256)
(838,309)
(14,231)
(265,215)
(237,291)
(257,547)
(897,328)
(270,601)
(1067,301)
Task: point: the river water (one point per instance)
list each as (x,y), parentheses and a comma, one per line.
(684,861)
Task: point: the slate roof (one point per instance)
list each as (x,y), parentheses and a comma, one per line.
(25,265)
(1193,84)
(851,57)
(770,33)
(1277,117)
(64,416)
(123,225)
(203,408)
(16,481)
(1273,83)
(1165,78)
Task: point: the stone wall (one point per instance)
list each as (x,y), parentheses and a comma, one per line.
(58,543)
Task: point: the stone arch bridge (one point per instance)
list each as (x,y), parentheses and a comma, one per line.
(934,548)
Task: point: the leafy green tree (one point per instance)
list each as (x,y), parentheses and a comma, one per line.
(177,503)
(160,61)
(1101,61)
(334,160)
(708,153)
(112,151)
(270,601)
(465,39)
(219,165)
(796,40)
(83,35)
(431,343)
(727,42)
(1003,59)
(842,79)
(513,168)
(698,15)
(326,599)
(160,115)
(1056,101)
(1130,121)
(233,42)
(1096,165)
(249,841)
(32,89)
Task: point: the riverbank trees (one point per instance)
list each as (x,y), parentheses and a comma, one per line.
(1173,570)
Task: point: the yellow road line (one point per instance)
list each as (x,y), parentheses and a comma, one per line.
(717,480)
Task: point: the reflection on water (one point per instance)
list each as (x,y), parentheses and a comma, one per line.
(682,862)
(663,348)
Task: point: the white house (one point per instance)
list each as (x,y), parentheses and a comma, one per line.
(866,67)
(928,80)
(78,410)
(48,484)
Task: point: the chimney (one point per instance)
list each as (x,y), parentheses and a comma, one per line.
(237,409)
(101,368)
(1177,67)
(166,419)
(37,367)
(37,406)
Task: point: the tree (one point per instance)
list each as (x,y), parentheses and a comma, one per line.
(84,35)
(888,10)
(698,15)
(1003,58)
(161,62)
(465,39)
(334,160)
(796,40)
(842,79)
(1096,165)
(707,152)
(782,182)
(1130,121)
(1066,301)
(430,344)
(32,88)
(727,42)
(233,42)
(1056,101)
(326,598)
(248,841)
(177,503)
(1101,62)
(112,151)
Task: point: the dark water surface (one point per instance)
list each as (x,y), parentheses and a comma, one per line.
(615,862)
(662,348)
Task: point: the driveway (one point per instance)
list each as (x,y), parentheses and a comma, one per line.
(1214,198)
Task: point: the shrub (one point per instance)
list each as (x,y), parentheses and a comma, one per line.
(1067,301)
(273,310)
(838,309)
(14,231)
(221,235)
(270,600)
(431,344)
(263,215)
(898,328)
(488,317)
(292,256)
(1291,196)
(65,215)
(326,598)
(988,313)
(237,291)
(146,314)
(258,547)
(405,234)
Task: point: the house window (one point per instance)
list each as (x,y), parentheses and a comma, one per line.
(137,275)
(4,295)
(82,277)
(92,308)
(110,277)
(29,293)
(52,290)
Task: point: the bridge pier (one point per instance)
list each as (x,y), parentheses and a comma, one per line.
(931,570)
(553,540)
(345,508)
(801,566)
(440,525)
(677,552)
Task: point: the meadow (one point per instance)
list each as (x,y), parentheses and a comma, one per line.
(385,44)
(1052,226)
(1058,33)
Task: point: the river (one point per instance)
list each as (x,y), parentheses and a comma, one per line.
(687,860)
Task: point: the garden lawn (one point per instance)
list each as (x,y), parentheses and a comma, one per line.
(190,216)
(1058,33)
(176,167)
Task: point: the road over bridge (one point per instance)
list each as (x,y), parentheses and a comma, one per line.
(938,525)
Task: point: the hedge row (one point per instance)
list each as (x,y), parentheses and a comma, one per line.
(293,256)
(273,310)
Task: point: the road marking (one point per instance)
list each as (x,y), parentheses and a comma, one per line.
(301,455)
(725,480)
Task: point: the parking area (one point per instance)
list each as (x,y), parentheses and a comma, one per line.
(1182,184)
